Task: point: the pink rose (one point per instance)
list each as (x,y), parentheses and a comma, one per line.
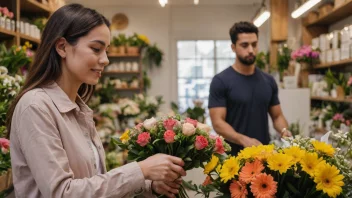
(149,123)
(201,142)
(204,127)
(191,121)
(348,123)
(143,139)
(5,11)
(219,147)
(169,136)
(4,151)
(10,15)
(139,127)
(188,129)
(169,124)
(4,143)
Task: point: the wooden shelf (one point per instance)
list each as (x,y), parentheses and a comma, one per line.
(7,32)
(330,99)
(113,72)
(34,6)
(337,14)
(334,64)
(112,55)
(29,38)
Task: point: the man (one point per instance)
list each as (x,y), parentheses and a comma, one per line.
(242,95)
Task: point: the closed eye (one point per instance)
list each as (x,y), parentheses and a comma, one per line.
(96,50)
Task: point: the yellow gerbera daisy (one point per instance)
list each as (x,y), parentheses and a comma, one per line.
(295,152)
(218,169)
(323,148)
(309,162)
(125,136)
(265,151)
(280,162)
(211,165)
(248,152)
(229,169)
(328,179)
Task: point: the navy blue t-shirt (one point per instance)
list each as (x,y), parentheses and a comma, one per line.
(247,100)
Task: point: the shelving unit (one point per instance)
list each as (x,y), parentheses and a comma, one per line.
(19,8)
(334,64)
(126,57)
(331,99)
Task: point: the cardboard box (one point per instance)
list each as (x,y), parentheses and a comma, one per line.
(345,35)
(337,55)
(322,57)
(336,39)
(312,16)
(329,56)
(324,42)
(325,9)
(315,43)
(345,51)
(339,3)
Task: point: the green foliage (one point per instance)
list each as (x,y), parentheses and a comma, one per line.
(119,40)
(153,56)
(13,58)
(284,57)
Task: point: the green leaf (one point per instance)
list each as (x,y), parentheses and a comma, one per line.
(188,159)
(292,188)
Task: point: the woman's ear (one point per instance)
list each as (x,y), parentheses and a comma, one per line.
(60,46)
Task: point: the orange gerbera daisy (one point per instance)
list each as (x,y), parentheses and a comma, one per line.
(264,186)
(207,181)
(250,170)
(238,189)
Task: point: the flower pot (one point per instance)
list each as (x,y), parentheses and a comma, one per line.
(304,78)
(132,50)
(121,50)
(340,92)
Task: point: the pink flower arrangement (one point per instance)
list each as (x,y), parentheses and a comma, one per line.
(305,54)
(6,13)
(5,145)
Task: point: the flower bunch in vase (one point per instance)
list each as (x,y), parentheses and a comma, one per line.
(306,55)
(303,168)
(184,138)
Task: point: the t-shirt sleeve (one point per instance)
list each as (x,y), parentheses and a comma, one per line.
(275,94)
(217,93)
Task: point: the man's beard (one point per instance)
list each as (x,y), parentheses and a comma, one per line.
(247,60)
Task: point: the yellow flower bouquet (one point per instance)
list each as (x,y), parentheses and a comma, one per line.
(304,169)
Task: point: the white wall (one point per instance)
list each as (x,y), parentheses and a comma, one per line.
(165,26)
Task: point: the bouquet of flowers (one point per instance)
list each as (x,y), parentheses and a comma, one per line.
(5,161)
(303,168)
(184,138)
(305,54)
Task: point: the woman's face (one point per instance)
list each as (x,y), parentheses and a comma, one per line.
(85,61)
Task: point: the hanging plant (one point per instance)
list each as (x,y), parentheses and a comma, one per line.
(153,56)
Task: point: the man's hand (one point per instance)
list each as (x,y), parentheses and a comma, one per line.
(248,142)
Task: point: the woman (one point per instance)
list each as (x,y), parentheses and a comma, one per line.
(55,149)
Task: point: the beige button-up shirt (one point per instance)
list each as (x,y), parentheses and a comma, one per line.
(52,156)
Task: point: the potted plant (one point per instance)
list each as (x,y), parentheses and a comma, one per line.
(118,44)
(15,57)
(153,56)
(306,56)
(136,42)
(283,60)
(336,82)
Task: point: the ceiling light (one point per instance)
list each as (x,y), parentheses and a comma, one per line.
(304,8)
(163,3)
(262,17)
(196,2)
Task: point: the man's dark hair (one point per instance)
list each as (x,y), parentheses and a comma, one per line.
(242,27)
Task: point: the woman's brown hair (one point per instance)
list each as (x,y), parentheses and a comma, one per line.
(70,22)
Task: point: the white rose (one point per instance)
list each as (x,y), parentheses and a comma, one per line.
(203,127)
(149,123)
(188,129)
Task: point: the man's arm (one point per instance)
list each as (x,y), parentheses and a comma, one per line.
(217,115)
(279,120)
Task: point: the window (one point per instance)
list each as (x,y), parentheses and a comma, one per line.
(197,62)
